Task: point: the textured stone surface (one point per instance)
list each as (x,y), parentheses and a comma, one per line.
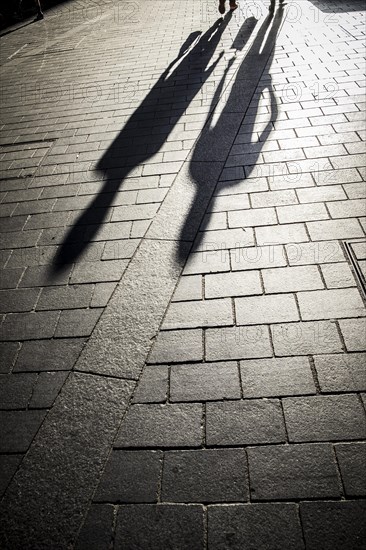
(49,355)
(276,377)
(17,429)
(16,391)
(209,313)
(8,466)
(351,458)
(324,418)
(153,385)
(130,476)
(293,472)
(155,527)
(203,382)
(334,525)
(266,309)
(51,492)
(97,529)
(341,373)
(244,423)
(236,527)
(47,388)
(238,343)
(177,346)
(217,475)
(306,338)
(161,426)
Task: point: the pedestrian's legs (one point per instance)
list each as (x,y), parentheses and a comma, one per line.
(39,9)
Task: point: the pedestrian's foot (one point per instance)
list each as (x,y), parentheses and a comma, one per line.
(222,6)
(233,6)
(40,16)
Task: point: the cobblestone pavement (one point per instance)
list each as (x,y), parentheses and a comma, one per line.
(183,259)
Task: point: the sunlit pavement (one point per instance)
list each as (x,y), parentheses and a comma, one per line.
(183,259)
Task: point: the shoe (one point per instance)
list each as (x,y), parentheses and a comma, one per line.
(39,17)
(233,6)
(222,7)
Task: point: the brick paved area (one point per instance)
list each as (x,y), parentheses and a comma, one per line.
(182,255)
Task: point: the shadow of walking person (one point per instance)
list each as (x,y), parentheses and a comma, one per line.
(175,89)
(219,132)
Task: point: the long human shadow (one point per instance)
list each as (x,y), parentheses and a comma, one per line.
(251,80)
(143,135)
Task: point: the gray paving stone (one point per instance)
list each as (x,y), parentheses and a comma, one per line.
(306,338)
(208,241)
(232,284)
(273,198)
(351,458)
(302,213)
(266,309)
(40,276)
(292,472)
(281,234)
(292,279)
(259,257)
(46,389)
(238,343)
(9,278)
(334,229)
(208,313)
(8,466)
(161,426)
(244,423)
(209,261)
(64,469)
(98,272)
(130,476)
(176,346)
(252,218)
(29,326)
(276,377)
(121,249)
(49,355)
(324,418)
(341,373)
(77,322)
(153,385)
(65,297)
(204,382)
(16,390)
(354,333)
(217,475)
(102,294)
(97,530)
(18,428)
(8,354)
(189,288)
(314,253)
(338,275)
(162,526)
(18,300)
(334,525)
(236,527)
(329,304)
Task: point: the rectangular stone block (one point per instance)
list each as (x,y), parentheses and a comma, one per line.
(237,343)
(77,322)
(306,338)
(279,527)
(336,525)
(161,426)
(341,373)
(29,326)
(176,346)
(352,458)
(189,288)
(18,428)
(338,275)
(329,304)
(223,239)
(354,333)
(217,475)
(65,297)
(273,198)
(314,253)
(16,390)
(207,313)
(292,279)
(204,382)
(266,309)
(291,472)
(18,300)
(49,355)
(276,377)
(208,261)
(335,229)
(130,476)
(281,234)
(258,257)
(147,527)
(252,218)
(232,284)
(244,423)
(152,386)
(98,272)
(302,213)
(324,418)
